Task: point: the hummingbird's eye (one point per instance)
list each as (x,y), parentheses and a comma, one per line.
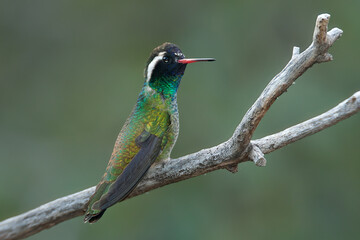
(165,59)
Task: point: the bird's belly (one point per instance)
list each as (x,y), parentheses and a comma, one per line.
(170,137)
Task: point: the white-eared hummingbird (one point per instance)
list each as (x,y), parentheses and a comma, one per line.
(150,132)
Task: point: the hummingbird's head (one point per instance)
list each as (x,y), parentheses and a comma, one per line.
(166,66)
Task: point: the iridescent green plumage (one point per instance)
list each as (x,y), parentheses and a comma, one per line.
(149,134)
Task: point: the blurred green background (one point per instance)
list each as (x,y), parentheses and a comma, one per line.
(70,72)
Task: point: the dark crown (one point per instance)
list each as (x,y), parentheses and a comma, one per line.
(170,48)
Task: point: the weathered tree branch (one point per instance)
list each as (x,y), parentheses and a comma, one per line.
(343,110)
(239,148)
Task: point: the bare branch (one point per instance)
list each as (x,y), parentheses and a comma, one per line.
(342,111)
(296,52)
(45,216)
(299,63)
(257,156)
(227,155)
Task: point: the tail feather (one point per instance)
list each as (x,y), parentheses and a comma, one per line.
(92,218)
(92,214)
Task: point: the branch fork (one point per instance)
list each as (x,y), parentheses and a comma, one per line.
(239,148)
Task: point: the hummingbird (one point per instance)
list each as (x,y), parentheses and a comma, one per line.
(149,133)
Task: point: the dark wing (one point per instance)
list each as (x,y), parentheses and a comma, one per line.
(150,146)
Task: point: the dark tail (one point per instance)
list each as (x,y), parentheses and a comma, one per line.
(92,218)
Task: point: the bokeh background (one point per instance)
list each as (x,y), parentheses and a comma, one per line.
(71,70)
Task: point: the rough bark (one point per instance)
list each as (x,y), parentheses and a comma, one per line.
(239,148)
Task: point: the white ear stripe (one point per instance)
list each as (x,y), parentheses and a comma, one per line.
(152,65)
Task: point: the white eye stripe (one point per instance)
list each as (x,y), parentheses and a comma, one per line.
(152,65)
